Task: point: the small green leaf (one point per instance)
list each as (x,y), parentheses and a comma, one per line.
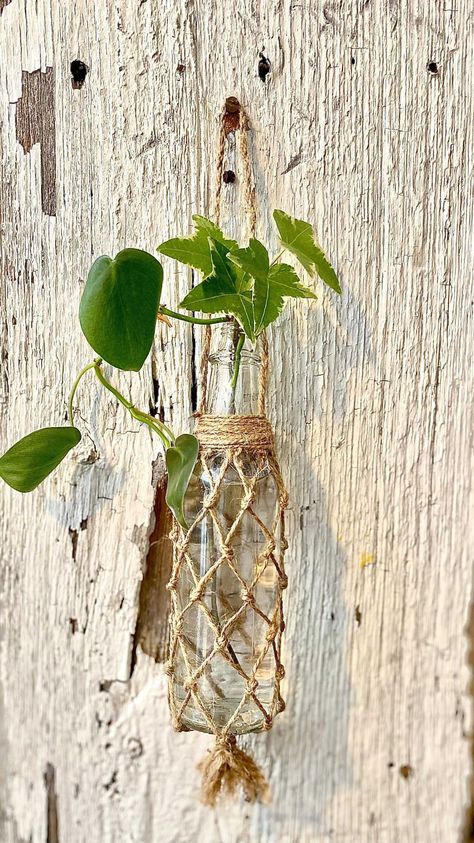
(119,306)
(297,236)
(26,464)
(210,229)
(180,461)
(281,282)
(195,249)
(254,259)
(227,290)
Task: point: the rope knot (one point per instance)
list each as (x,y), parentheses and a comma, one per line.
(247,597)
(197,592)
(281,705)
(283,581)
(272,632)
(226,740)
(190,685)
(221,642)
(252,686)
(280,672)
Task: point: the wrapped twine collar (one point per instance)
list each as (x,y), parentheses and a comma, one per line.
(229,433)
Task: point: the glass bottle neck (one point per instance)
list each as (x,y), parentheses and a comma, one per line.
(230,394)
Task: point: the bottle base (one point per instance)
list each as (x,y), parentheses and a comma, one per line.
(245,723)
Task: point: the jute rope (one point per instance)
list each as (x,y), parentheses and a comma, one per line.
(228,765)
(233,118)
(243,447)
(223,432)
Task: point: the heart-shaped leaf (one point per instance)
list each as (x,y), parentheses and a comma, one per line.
(297,236)
(180,461)
(119,306)
(26,464)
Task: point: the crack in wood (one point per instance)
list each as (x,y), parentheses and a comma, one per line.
(293,162)
(151,631)
(52,825)
(73,535)
(467,831)
(35,123)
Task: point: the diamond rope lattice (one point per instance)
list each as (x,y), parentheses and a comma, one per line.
(268,562)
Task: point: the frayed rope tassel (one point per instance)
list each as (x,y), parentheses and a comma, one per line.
(227,767)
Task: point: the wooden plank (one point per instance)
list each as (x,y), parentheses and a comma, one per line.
(363,125)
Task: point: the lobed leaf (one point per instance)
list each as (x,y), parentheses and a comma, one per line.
(195,249)
(180,461)
(254,259)
(26,464)
(202,224)
(226,290)
(297,236)
(119,306)
(271,283)
(281,282)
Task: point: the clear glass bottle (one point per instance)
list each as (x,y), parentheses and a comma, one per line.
(222,688)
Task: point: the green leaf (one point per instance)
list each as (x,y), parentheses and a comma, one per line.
(119,306)
(180,461)
(26,464)
(227,290)
(297,236)
(202,224)
(253,260)
(195,250)
(272,283)
(281,282)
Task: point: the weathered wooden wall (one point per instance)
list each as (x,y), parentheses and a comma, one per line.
(371,396)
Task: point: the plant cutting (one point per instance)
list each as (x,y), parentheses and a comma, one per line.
(224,485)
(118,312)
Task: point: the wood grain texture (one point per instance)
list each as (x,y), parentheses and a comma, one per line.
(371,397)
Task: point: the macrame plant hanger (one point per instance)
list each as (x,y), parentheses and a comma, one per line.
(226,766)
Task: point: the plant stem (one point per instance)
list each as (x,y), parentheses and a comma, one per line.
(237,359)
(277,257)
(74,388)
(163,431)
(193,319)
(160,428)
(151,420)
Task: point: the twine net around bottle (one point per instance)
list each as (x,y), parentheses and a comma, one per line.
(230,437)
(227,442)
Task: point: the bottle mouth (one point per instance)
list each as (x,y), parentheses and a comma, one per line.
(227,339)
(226,355)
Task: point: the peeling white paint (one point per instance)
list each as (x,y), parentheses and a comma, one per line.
(373,414)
